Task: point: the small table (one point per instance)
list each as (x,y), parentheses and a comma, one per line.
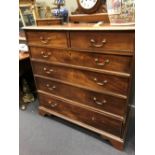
(23,55)
(23,68)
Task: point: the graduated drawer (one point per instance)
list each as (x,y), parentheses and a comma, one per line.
(116,41)
(96,81)
(47,38)
(84,59)
(82,115)
(93,99)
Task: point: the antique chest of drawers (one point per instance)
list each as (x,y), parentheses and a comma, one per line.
(83,75)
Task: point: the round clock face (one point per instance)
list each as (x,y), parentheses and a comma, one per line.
(87,4)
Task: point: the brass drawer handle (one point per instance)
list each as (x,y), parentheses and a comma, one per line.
(48,71)
(45,54)
(52,104)
(100,83)
(49,23)
(93,43)
(101,63)
(45,40)
(50,88)
(93,118)
(99,103)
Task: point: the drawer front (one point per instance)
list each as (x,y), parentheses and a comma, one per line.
(123,41)
(80,114)
(84,59)
(96,81)
(47,38)
(48,22)
(97,100)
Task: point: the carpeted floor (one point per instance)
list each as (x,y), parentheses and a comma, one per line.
(54,136)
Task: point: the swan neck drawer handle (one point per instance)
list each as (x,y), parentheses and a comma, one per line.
(45,54)
(93,43)
(100,83)
(101,63)
(52,104)
(99,103)
(93,118)
(48,71)
(49,23)
(50,88)
(45,40)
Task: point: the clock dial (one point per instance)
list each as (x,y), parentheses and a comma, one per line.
(88,4)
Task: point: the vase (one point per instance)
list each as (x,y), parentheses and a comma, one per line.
(61,13)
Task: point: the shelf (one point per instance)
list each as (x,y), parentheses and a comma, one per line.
(27,14)
(25,5)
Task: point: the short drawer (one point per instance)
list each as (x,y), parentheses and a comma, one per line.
(94,99)
(83,115)
(47,38)
(47,22)
(96,81)
(117,41)
(84,59)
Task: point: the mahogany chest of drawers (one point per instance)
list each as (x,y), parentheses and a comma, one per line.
(83,75)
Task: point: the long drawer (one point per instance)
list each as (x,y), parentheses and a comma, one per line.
(84,59)
(96,81)
(47,38)
(97,100)
(103,41)
(83,115)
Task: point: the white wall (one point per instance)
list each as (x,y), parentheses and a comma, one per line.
(71,5)
(47,2)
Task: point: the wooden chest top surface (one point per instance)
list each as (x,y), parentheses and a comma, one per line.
(85,27)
